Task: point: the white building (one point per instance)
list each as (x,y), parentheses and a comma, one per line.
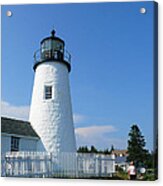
(51,110)
(17,135)
(121,158)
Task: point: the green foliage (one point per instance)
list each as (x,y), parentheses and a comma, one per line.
(93,149)
(83,149)
(136,147)
(121,173)
(106,151)
(149,175)
(112,149)
(149,161)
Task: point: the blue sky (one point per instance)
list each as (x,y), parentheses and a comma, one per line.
(112,65)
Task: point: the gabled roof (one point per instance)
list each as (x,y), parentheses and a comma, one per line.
(119,152)
(17,127)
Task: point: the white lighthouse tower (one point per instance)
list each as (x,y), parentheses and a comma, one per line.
(51,111)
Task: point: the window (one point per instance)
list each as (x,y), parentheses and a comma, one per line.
(14,143)
(46,45)
(48,92)
(57,45)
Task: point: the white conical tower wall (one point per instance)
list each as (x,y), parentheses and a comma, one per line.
(52,118)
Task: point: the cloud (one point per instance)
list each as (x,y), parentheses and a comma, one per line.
(78,118)
(22,112)
(98,136)
(12,111)
(90,135)
(94,130)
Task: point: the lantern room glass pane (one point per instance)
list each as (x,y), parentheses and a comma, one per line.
(57,45)
(52,49)
(46,45)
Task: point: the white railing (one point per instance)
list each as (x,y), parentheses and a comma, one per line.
(61,165)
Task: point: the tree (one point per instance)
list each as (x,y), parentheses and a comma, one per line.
(112,149)
(106,151)
(83,149)
(93,149)
(149,160)
(136,146)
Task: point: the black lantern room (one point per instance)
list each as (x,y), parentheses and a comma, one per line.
(52,50)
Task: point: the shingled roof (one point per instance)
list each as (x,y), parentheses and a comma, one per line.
(18,127)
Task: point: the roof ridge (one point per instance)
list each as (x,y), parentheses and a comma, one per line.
(4,117)
(17,127)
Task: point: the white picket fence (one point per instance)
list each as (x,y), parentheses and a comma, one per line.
(61,165)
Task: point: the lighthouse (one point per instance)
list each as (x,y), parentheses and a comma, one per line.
(51,109)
